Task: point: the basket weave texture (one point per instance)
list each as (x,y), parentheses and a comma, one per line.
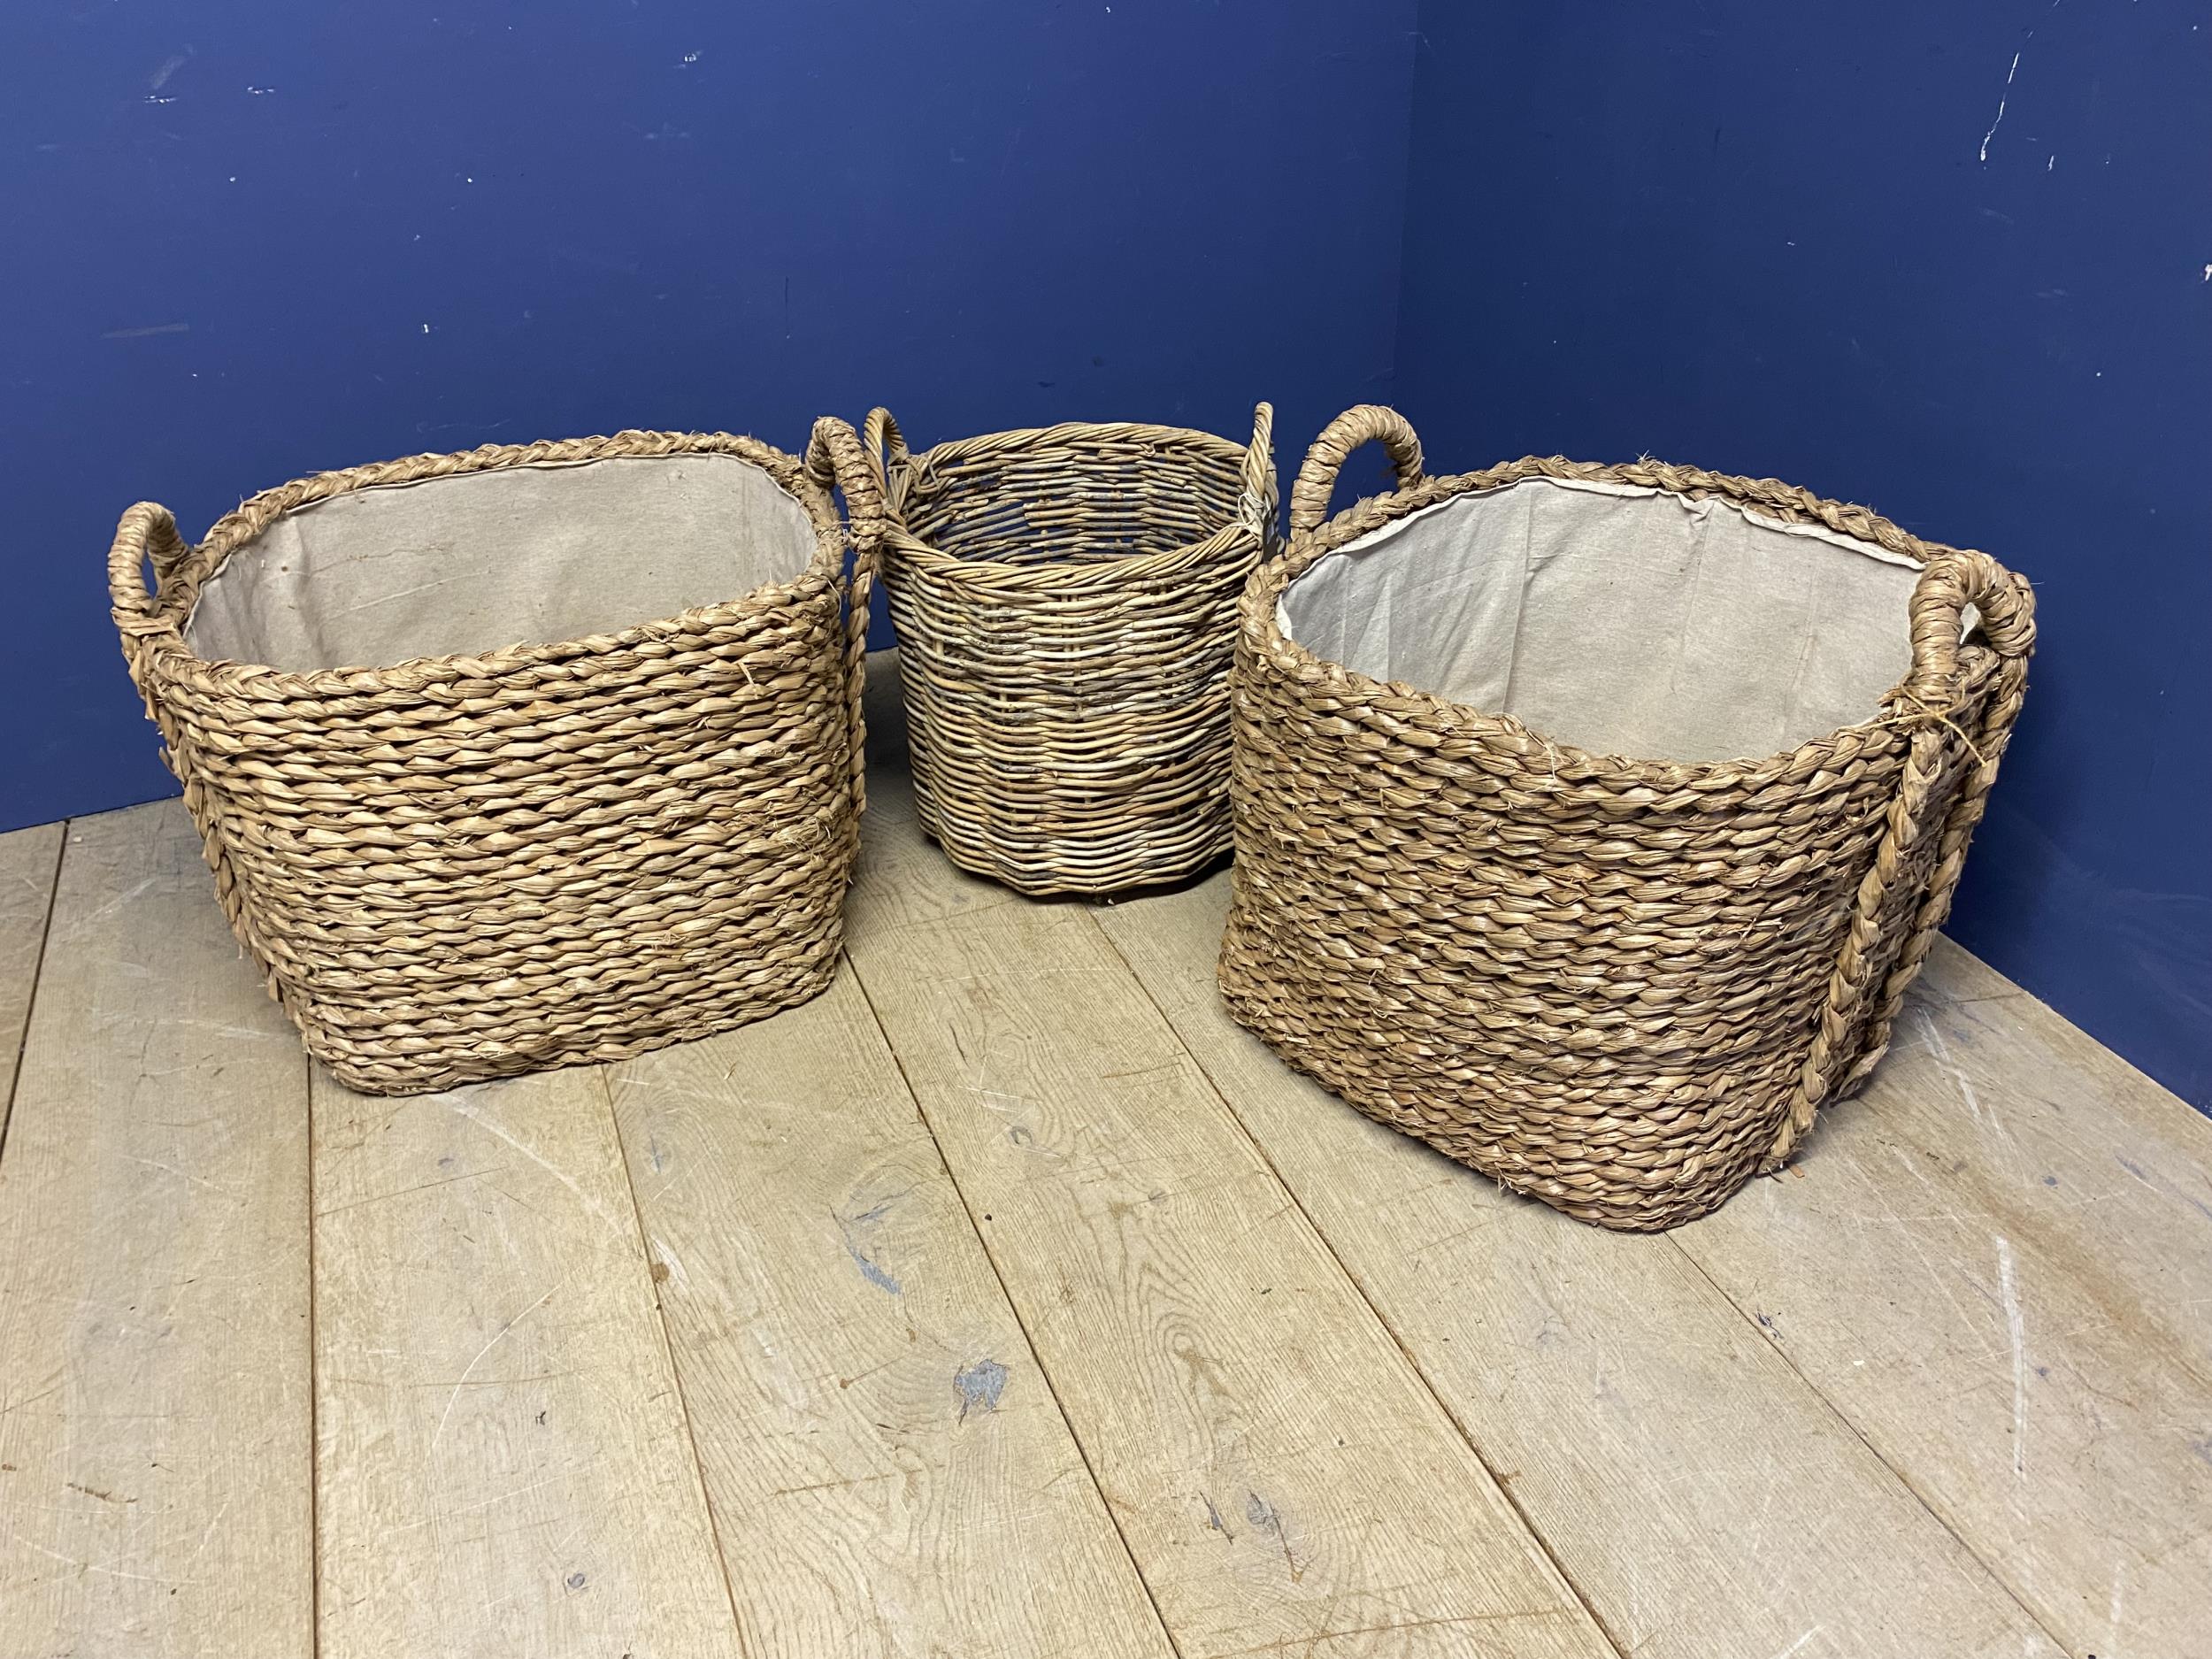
(1621,986)
(1064,600)
(461,867)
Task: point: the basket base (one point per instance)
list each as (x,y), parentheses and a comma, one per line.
(1631,1188)
(1081,871)
(442,1063)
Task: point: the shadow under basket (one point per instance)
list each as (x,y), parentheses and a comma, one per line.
(474,858)
(1064,600)
(1501,881)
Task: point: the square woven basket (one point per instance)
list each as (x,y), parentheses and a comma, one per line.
(1503,879)
(457,856)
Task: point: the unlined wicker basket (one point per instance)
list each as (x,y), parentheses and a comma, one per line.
(1065,600)
(1461,901)
(470,857)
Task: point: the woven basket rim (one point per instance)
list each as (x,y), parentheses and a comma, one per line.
(167,654)
(1567,762)
(1004,573)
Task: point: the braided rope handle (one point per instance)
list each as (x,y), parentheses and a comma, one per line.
(1356,426)
(1987,746)
(834,457)
(147,533)
(1948,584)
(1259,500)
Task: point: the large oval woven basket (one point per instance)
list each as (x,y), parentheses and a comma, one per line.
(1502,880)
(1065,600)
(455,857)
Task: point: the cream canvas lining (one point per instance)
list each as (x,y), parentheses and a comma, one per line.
(1620,619)
(521,555)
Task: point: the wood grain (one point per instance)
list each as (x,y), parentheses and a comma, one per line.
(1706,1502)
(1946,1388)
(889,1472)
(1285,1481)
(1998,1265)
(503,1462)
(2063,1129)
(29,858)
(155,1441)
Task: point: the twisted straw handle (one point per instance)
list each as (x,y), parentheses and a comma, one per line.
(1317,478)
(834,457)
(1948,583)
(885,445)
(1259,498)
(147,531)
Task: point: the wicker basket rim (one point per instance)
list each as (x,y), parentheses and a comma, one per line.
(1233,535)
(1899,711)
(168,655)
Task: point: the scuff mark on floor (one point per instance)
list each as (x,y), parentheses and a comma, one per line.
(1213,1518)
(981,1385)
(1265,1515)
(2015,1327)
(870,1268)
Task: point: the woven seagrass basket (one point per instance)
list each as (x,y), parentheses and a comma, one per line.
(466,857)
(1502,880)
(1065,600)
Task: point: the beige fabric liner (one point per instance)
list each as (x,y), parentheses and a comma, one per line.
(522,554)
(1619,620)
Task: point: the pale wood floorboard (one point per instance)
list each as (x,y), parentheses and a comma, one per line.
(890,1471)
(1704,1499)
(154,1439)
(1284,1479)
(1944,1389)
(1998,1265)
(29,858)
(504,1465)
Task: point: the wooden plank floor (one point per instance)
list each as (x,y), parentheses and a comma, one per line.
(1009,1300)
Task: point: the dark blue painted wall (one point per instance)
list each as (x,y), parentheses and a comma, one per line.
(1765,239)
(242,240)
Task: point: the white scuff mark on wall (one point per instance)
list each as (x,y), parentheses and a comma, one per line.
(160,76)
(2001,97)
(2017,1328)
(261,92)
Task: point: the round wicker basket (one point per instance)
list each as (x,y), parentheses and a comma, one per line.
(1620,985)
(1065,600)
(458,867)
